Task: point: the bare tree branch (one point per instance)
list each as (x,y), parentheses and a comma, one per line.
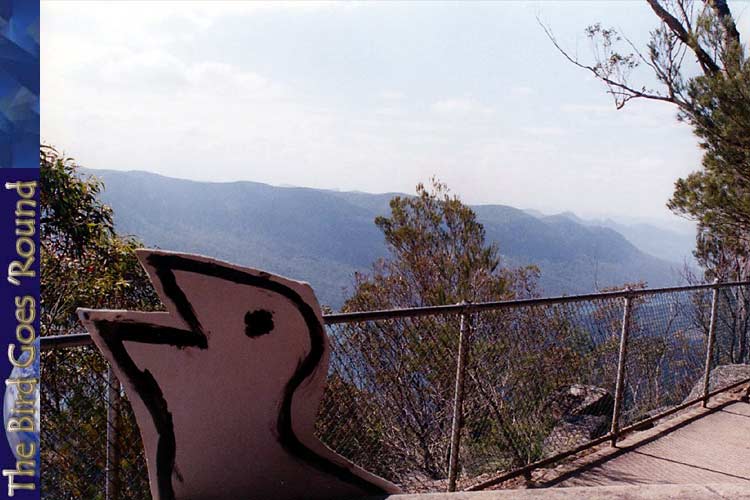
(620,91)
(685,16)
(707,63)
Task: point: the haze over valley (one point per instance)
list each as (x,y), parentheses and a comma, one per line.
(324,236)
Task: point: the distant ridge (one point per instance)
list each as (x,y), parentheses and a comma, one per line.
(324,236)
(674,246)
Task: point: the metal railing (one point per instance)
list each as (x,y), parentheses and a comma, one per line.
(449,397)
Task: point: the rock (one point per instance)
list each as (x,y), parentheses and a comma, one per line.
(583,412)
(581,399)
(574,431)
(721,376)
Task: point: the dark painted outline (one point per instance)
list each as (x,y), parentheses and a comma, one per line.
(114,333)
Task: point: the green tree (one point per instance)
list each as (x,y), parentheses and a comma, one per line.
(437,255)
(718,196)
(84,263)
(397,377)
(713,96)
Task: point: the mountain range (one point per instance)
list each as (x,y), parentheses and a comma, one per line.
(324,236)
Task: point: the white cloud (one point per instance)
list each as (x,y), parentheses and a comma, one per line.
(392,95)
(545,131)
(215,77)
(156,88)
(636,113)
(461,106)
(522,91)
(390,111)
(587,109)
(149,69)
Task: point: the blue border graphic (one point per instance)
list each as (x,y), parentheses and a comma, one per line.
(19,83)
(19,248)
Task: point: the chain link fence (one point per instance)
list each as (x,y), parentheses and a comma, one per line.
(453,397)
(90,445)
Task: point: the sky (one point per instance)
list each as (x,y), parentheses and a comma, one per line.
(372,97)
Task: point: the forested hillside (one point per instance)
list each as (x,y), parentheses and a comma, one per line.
(325,236)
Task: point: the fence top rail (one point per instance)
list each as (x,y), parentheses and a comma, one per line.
(82,339)
(468,307)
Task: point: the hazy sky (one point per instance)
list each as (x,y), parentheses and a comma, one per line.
(368,96)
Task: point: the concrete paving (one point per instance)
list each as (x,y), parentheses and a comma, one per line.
(712,449)
(641,492)
(700,454)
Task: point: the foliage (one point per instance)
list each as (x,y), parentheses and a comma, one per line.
(388,401)
(438,255)
(72,218)
(84,264)
(714,99)
(521,360)
(403,370)
(718,196)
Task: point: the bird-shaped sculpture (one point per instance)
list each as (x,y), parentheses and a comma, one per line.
(225,384)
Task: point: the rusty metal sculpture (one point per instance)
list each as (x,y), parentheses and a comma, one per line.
(225,384)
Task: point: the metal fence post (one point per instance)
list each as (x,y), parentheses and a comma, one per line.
(710,343)
(619,387)
(458,400)
(112,489)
